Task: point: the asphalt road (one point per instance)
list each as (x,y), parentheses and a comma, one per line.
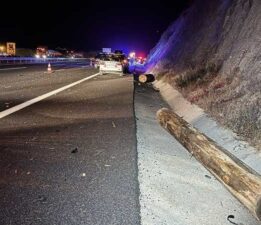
(71,158)
(23,82)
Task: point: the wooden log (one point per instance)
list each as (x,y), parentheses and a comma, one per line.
(146,78)
(239,179)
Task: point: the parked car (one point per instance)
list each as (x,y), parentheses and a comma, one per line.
(108,63)
(117,56)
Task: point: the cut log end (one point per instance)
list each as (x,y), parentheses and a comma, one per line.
(146,78)
(142,78)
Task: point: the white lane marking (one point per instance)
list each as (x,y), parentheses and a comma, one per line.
(44,96)
(14,68)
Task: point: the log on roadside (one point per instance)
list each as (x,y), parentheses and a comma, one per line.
(146,78)
(240,180)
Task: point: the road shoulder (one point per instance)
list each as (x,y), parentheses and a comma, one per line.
(174,187)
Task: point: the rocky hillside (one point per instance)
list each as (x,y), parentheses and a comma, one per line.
(212,54)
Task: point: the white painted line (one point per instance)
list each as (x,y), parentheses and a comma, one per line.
(40,98)
(14,68)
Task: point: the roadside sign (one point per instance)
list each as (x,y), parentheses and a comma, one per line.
(10,48)
(106,50)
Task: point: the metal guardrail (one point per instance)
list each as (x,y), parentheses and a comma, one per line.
(32,60)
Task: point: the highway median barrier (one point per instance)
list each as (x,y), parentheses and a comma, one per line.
(243,182)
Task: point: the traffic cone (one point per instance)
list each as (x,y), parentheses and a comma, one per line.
(49,69)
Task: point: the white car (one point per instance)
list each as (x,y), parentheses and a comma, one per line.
(110,64)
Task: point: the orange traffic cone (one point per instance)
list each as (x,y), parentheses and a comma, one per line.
(49,69)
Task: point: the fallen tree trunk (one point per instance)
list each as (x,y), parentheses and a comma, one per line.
(240,180)
(146,78)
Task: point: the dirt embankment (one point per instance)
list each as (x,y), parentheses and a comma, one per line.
(212,54)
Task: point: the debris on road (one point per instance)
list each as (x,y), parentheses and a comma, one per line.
(34,138)
(232,217)
(207,176)
(42,199)
(75,150)
(113,124)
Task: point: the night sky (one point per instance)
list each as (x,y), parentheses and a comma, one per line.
(82,25)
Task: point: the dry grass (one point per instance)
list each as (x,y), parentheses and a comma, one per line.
(199,75)
(231,99)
